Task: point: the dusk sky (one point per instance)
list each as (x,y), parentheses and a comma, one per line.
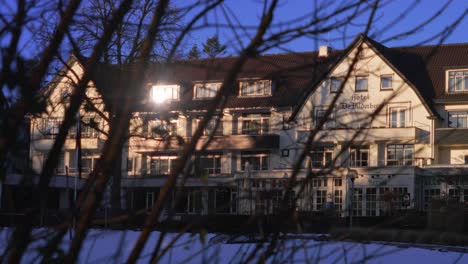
(394,18)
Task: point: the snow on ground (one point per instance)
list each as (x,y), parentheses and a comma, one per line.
(111,246)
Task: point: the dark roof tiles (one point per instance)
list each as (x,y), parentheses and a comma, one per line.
(294,74)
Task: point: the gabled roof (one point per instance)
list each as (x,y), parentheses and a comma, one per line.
(423,67)
(290,72)
(296,75)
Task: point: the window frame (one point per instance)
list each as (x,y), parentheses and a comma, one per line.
(210,94)
(332,87)
(209,129)
(403,160)
(171,127)
(173,87)
(357,152)
(457,113)
(329,123)
(216,164)
(263,160)
(156,172)
(262,120)
(361,77)
(399,122)
(326,153)
(463,83)
(254,92)
(382,88)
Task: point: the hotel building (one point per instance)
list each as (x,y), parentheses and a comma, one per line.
(385,129)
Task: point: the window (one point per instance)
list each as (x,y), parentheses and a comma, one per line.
(162,93)
(49,127)
(429,195)
(88,128)
(160,128)
(194,202)
(213,127)
(338,201)
(335,84)
(338,182)
(361,84)
(319,115)
(458,119)
(371,201)
(210,164)
(255,124)
(357,202)
(386,82)
(255,160)
(399,154)
(255,88)
(454,195)
(60,169)
(321,157)
(457,81)
(88,162)
(223,201)
(233,202)
(320,198)
(206,90)
(162,165)
(398,117)
(150,197)
(359,156)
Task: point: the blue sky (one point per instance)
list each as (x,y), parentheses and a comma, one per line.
(395,17)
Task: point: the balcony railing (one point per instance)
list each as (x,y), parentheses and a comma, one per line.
(404,134)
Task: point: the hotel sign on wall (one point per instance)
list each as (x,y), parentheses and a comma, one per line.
(357,102)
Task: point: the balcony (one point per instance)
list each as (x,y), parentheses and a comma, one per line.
(411,135)
(241,142)
(451,136)
(230,142)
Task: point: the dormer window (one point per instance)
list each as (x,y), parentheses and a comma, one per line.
(206,90)
(458,81)
(255,88)
(162,93)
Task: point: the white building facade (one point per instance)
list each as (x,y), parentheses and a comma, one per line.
(384,131)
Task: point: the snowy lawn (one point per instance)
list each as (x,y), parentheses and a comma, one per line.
(104,246)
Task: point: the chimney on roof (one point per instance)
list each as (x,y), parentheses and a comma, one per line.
(324,51)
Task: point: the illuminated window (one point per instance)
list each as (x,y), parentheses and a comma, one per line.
(162,93)
(206,90)
(255,88)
